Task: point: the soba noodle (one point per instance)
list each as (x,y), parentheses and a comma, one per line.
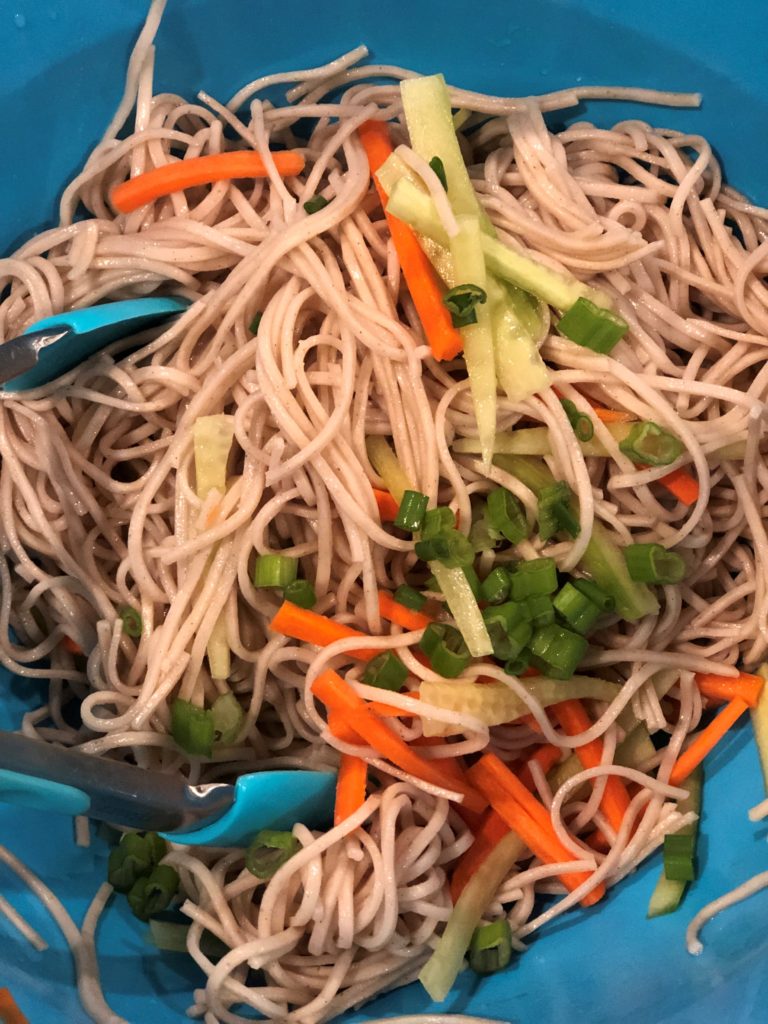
(98,505)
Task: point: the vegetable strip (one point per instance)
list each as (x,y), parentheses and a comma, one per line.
(393,611)
(313,628)
(724,688)
(350,787)
(199,170)
(386,504)
(9,1011)
(492,830)
(707,740)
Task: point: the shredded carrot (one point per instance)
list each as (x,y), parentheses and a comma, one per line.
(524,814)
(613,415)
(350,787)
(707,739)
(9,1011)
(547,756)
(312,628)
(71,645)
(682,485)
(491,831)
(338,696)
(420,276)
(724,688)
(574,719)
(598,841)
(388,507)
(393,611)
(199,170)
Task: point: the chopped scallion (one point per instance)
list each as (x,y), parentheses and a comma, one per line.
(436,521)
(652,563)
(592,327)
(275,571)
(556,511)
(386,671)
(451,548)
(409,597)
(410,514)
(192,728)
(132,624)
(576,610)
(461,301)
(445,647)
(605,602)
(651,444)
(130,860)
(679,850)
(269,850)
(227,717)
(557,650)
(539,610)
(495,587)
(505,514)
(301,593)
(491,947)
(152,894)
(582,425)
(315,204)
(516,666)
(529,579)
(437,166)
(255,323)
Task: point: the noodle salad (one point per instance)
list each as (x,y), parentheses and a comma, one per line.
(450,479)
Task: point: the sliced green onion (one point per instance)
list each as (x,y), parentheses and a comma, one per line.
(576,610)
(192,728)
(132,624)
(255,323)
(495,587)
(451,548)
(539,610)
(269,850)
(605,602)
(516,666)
(301,593)
(482,536)
(461,301)
(275,570)
(652,563)
(558,649)
(437,166)
(651,444)
(592,327)
(169,936)
(386,671)
(491,947)
(530,579)
(436,521)
(679,857)
(474,581)
(508,629)
(315,204)
(409,597)
(505,514)
(130,860)
(227,717)
(445,647)
(150,895)
(556,512)
(431,584)
(582,425)
(410,514)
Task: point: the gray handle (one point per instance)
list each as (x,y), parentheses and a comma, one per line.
(117,792)
(19,355)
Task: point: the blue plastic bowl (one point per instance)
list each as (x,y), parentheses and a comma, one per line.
(61,75)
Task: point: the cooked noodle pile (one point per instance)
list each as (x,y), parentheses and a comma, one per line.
(98,504)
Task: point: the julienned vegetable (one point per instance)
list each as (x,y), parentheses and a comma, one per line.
(669,891)
(706,740)
(201,170)
(268,851)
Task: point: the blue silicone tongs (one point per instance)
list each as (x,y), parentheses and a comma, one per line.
(51,778)
(56,345)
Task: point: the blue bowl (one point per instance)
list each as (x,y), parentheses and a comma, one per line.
(61,74)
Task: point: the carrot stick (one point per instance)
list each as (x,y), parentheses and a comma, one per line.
(523,813)
(338,696)
(724,688)
(71,645)
(547,755)
(706,740)
(388,711)
(420,276)
(682,485)
(312,628)
(491,831)
(350,787)
(9,1011)
(199,170)
(613,415)
(574,719)
(393,611)
(388,507)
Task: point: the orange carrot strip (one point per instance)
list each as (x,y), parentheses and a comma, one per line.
(574,719)
(388,507)
(612,415)
(199,170)
(682,485)
(350,787)
(528,817)
(338,696)
(420,276)
(547,755)
(388,711)
(9,1011)
(745,686)
(312,628)
(393,611)
(71,645)
(491,831)
(707,739)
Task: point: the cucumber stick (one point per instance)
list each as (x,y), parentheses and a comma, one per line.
(668,893)
(469,268)
(520,370)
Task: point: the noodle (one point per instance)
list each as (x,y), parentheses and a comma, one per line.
(98,507)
